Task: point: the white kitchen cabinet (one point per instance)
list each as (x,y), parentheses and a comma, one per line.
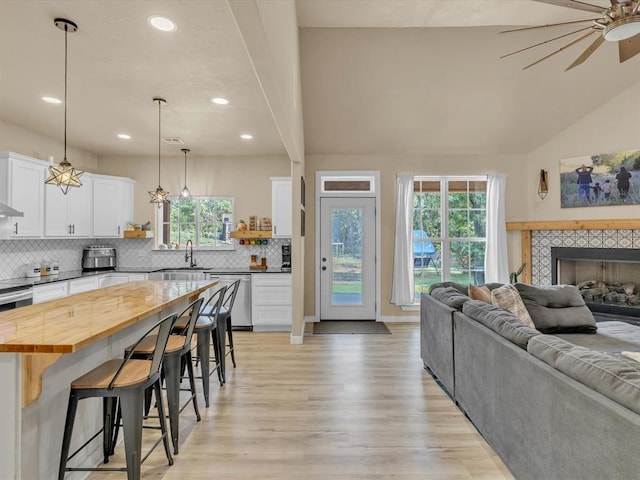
(271,301)
(68,215)
(112,205)
(50,291)
(84,284)
(119,278)
(281,207)
(22,187)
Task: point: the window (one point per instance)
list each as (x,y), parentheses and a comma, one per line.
(206,221)
(449,231)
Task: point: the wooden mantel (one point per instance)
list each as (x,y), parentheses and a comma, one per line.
(526,228)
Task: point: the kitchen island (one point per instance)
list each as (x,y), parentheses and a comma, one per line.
(44,347)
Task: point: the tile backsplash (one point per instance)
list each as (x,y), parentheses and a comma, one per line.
(16,254)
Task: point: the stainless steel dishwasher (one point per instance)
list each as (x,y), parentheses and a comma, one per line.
(241,313)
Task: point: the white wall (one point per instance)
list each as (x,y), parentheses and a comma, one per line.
(21,140)
(611,127)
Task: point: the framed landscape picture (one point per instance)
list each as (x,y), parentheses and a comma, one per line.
(600,180)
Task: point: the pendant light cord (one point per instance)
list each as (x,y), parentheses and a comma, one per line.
(66,34)
(159,137)
(185,167)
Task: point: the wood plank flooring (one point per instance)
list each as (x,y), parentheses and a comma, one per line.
(338,407)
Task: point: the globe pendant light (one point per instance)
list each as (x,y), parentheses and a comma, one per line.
(185,191)
(64,175)
(159,196)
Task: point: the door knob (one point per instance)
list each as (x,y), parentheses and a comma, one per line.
(324,259)
(324,268)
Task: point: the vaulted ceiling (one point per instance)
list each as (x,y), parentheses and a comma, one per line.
(378,76)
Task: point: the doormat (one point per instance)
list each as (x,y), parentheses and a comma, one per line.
(349,326)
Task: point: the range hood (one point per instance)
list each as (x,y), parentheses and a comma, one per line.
(7,211)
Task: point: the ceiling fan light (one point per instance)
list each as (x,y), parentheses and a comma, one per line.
(622,29)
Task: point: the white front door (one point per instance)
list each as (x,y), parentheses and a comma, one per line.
(347,258)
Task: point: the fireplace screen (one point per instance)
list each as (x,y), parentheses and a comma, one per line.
(608,278)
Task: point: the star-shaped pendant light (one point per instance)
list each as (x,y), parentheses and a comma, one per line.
(64,175)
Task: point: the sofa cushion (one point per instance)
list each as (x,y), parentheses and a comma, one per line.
(557,308)
(481,293)
(501,321)
(612,375)
(508,298)
(450,296)
(461,288)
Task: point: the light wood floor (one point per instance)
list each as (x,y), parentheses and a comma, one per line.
(337,407)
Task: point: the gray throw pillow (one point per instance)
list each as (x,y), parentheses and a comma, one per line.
(459,287)
(450,296)
(557,308)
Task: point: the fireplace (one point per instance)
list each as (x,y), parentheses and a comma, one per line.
(608,278)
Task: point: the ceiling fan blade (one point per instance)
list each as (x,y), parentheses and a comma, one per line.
(573,42)
(629,48)
(550,25)
(575,4)
(546,41)
(587,53)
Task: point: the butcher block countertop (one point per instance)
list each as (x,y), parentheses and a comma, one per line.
(71,323)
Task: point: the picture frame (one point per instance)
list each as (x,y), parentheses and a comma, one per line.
(600,180)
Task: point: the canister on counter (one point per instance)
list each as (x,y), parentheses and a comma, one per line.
(253,222)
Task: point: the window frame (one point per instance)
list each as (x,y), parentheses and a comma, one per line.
(162,224)
(444,238)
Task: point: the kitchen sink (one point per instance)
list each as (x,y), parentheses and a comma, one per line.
(179,274)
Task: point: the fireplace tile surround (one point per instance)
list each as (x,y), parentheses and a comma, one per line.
(543,240)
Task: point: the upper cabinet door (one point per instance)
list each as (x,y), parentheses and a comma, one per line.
(26,194)
(68,215)
(112,206)
(281,207)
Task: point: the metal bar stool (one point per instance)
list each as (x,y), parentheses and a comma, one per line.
(205,327)
(177,353)
(125,381)
(225,318)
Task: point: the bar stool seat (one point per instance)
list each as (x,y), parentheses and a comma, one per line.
(122,385)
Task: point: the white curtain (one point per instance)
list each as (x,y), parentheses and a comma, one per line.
(402,282)
(496,265)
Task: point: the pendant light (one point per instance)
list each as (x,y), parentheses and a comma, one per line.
(543,184)
(159,196)
(185,191)
(64,175)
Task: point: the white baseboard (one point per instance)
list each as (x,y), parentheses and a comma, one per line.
(401,318)
(297,339)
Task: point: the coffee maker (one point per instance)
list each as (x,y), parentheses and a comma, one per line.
(286,258)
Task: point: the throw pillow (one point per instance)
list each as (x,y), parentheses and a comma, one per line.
(557,308)
(480,293)
(507,297)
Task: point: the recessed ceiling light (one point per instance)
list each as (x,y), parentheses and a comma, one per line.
(246,136)
(124,136)
(51,100)
(220,101)
(162,23)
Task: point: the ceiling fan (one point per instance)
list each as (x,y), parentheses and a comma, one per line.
(619,22)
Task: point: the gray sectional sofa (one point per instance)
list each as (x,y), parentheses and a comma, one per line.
(553,406)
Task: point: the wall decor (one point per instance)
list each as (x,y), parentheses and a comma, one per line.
(600,180)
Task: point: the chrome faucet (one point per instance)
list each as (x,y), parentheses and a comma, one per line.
(188,256)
